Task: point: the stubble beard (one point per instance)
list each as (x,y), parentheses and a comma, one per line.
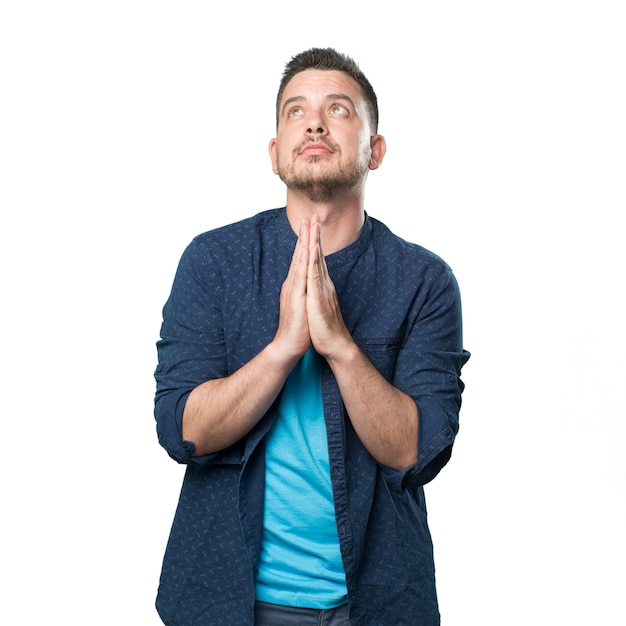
(321,184)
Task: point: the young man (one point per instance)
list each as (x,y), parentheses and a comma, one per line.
(309,377)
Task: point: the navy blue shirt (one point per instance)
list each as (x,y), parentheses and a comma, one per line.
(402,305)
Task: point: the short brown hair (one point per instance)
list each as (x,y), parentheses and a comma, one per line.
(330,59)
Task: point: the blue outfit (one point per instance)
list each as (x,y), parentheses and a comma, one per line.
(402,306)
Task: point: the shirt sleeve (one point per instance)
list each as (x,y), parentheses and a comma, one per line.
(191,351)
(428,369)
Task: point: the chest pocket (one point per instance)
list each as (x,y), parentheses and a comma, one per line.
(382,352)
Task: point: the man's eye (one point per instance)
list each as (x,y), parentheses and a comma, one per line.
(337,109)
(295,112)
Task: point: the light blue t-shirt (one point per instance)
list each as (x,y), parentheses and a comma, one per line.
(300,562)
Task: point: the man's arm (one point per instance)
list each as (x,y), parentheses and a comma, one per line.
(219,412)
(384,418)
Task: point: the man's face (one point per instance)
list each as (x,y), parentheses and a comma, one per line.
(323,143)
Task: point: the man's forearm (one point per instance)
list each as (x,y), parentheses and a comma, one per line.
(220,412)
(384,418)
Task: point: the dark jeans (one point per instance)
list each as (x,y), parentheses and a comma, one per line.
(274,615)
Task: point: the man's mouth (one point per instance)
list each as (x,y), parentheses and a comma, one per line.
(315,148)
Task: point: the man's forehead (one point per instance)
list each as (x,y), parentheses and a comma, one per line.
(322,83)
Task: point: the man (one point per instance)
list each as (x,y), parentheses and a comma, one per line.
(309,378)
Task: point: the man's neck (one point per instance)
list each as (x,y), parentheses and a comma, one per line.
(341,220)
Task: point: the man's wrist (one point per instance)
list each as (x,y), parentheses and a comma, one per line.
(275,356)
(344,353)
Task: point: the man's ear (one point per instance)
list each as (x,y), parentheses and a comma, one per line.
(379,147)
(272,149)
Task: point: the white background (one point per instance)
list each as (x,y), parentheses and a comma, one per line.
(126,128)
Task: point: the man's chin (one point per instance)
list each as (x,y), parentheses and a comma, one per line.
(322,190)
(316,191)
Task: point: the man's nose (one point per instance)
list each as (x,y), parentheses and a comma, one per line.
(316,124)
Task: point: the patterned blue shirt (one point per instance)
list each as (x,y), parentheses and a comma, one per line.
(402,305)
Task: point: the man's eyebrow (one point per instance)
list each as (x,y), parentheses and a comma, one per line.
(340,96)
(330,96)
(292,100)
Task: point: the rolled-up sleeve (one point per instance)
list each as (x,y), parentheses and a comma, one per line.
(191,350)
(428,369)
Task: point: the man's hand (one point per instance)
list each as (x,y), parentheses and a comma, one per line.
(309,307)
(326,326)
(292,335)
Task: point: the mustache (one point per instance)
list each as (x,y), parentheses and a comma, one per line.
(316,139)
